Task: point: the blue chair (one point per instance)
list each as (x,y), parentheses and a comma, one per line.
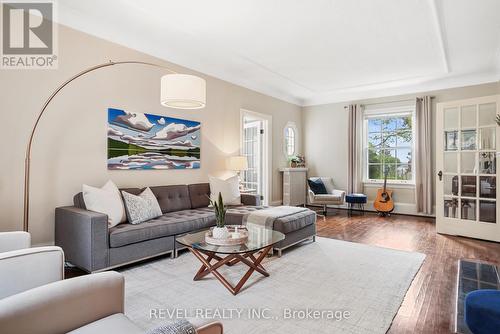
(482,311)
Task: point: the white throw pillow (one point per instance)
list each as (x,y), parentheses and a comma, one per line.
(106,200)
(141,208)
(328,182)
(229,189)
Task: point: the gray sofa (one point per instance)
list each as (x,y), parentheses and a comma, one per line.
(89,244)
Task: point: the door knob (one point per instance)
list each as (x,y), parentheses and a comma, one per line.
(440,174)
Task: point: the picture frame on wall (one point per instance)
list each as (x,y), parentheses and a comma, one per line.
(140,141)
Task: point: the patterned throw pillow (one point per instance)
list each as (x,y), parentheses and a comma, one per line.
(141,208)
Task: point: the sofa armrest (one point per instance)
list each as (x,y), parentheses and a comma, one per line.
(206,326)
(83,235)
(339,193)
(25,269)
(250,199)
(63,306)
(10,241)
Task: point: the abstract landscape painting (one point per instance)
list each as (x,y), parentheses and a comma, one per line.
(144,141)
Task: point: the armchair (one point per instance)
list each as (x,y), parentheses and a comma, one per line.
(332,196)
(82,305)
(23,268)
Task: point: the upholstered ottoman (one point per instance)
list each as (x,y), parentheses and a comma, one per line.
(297,227)
(482,311)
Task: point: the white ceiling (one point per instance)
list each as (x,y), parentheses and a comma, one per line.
(309,51)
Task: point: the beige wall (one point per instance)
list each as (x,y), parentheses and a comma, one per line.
(325,138)
(70,145)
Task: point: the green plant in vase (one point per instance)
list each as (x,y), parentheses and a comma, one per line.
(220,231)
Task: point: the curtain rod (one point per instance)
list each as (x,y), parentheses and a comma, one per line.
(395,101)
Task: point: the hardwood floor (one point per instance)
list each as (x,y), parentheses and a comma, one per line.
(430,302)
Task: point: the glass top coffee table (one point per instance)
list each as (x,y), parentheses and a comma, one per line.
(212,257)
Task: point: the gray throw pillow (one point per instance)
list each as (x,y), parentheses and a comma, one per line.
(141,208)
(179,327)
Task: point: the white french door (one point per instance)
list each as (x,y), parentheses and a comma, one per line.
(252,149)
(467,139)
(255,145)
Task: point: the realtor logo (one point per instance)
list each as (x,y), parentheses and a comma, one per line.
(28,35)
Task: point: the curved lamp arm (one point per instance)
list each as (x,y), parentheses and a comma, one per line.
(27,161)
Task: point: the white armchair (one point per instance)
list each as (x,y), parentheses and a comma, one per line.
(23,268)
(332,197)
(85,305)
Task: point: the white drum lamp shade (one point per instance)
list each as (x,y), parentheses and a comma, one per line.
(237,163)
(183,91)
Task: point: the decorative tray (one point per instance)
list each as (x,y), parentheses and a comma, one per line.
(235,237)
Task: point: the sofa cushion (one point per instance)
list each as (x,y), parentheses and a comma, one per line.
(199,194)
(172,198)
(171,223)
(116,323)
(234,214)
(295,222)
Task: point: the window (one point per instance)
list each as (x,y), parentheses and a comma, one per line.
(290,139)
(388,146)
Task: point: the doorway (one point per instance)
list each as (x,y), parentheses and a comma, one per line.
(256,146)
(466,161)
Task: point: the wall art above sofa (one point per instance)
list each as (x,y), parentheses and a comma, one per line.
(145,141)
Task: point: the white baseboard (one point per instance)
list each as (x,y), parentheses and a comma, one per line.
(401,208)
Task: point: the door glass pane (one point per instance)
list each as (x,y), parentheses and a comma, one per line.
(451,118)
(468,114)
(450,186)
(450,162)
(487,163)
(468,207)
(487,211)
(487,114)
(487,139)
(488,186)
(468,162)
(451,140)
(468,186)
(451,207)
(468,140)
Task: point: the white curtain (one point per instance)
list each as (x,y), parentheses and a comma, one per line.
(355,128)
(423,154)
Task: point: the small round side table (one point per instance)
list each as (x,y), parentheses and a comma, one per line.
(356,200)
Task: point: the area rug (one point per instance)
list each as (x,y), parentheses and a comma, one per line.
(329,286)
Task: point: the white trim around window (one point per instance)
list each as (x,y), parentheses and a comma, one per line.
(381,112)
(290,139)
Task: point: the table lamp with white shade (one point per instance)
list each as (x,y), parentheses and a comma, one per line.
(237,163)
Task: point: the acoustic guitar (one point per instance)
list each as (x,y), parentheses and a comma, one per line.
(384,203)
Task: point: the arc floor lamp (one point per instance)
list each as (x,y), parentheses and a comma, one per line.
(180,91)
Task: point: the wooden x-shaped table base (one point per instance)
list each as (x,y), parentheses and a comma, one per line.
(249,259)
